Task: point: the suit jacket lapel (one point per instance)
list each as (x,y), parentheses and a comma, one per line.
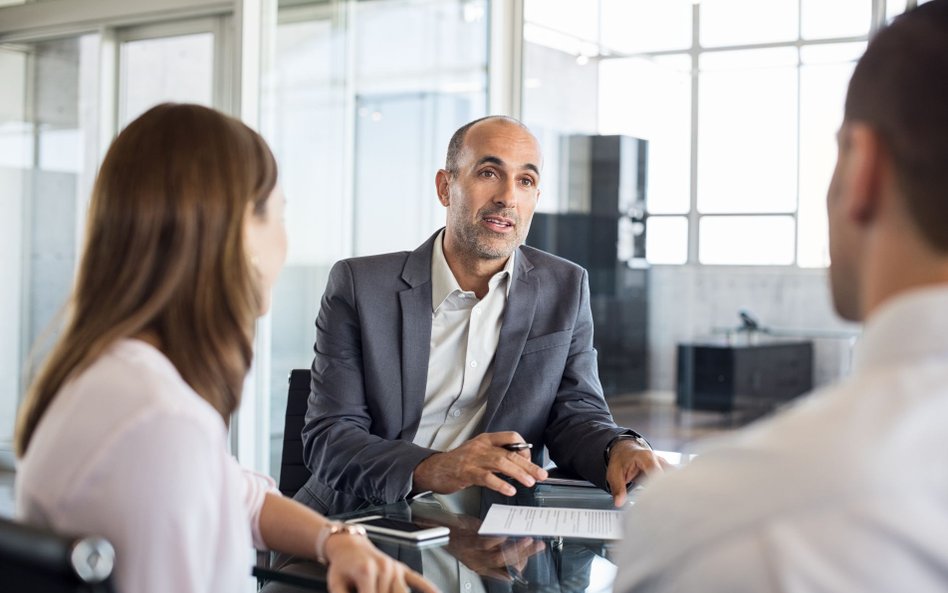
(416,335)
(518,318)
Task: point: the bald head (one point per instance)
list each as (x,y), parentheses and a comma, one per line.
(456,144)
(489,188)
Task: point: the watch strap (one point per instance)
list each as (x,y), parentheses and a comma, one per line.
(330,529)
(628,435)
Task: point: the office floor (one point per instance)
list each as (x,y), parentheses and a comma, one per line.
(665,426)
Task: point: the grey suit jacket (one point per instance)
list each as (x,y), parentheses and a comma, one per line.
(373,336)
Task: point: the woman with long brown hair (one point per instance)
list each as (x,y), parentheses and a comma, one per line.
(123,432)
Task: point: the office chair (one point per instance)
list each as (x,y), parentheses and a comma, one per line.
(293,474)
(41,561)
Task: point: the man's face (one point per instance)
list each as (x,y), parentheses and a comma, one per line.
(491,196)
(843,238)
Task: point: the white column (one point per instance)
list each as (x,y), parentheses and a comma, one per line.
(505,63)
(254,22)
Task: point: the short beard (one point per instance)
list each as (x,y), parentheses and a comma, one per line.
(472,240)
(475,240)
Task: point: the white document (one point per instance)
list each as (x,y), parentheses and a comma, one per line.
(505,519)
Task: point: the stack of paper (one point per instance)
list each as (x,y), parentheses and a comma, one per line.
(504,519)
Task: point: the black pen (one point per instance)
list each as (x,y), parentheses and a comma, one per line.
(517,446)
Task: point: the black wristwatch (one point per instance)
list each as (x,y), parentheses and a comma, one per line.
(629,435)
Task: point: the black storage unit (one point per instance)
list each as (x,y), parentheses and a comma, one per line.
(726,378)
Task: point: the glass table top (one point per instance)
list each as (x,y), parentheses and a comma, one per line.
(471,563)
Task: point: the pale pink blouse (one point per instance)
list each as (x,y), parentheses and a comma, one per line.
(129,451)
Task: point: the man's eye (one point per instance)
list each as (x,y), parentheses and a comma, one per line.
(487,173)
(527,182)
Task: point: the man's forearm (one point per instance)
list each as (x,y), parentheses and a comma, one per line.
(364,465)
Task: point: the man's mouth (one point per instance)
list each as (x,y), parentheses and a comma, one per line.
(498,223)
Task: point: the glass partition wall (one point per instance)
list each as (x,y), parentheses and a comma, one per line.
(48,150)
(359,100)
(64,95)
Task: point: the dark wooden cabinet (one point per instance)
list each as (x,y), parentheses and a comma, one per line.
(725,378)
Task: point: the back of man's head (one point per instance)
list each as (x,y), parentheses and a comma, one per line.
(900,89)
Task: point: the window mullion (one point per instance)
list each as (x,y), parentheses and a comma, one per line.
(693,217)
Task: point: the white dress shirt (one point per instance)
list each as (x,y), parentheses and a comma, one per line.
(847,491)
(464,336)
(128,451)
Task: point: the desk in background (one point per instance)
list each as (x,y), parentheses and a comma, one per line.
(757,377)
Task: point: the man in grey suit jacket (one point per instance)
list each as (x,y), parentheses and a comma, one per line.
(431,364)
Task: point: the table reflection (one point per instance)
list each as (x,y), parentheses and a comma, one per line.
(472,563)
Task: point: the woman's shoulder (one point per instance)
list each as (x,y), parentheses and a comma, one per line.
(136,377)
(129,409)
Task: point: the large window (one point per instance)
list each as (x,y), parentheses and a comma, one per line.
(738,99)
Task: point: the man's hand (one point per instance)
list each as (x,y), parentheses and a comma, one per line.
(476,463)
(628,459)
(499,558)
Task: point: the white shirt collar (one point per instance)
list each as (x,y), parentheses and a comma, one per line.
(910,326)
(443,282)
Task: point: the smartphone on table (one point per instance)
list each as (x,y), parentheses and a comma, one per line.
(401,529)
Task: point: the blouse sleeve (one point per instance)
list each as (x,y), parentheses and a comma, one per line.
(158,493)
(256,487)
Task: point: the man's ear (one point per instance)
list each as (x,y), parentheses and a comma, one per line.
(864,168)
(442,179)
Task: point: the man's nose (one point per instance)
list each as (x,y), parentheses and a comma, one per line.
(507,194)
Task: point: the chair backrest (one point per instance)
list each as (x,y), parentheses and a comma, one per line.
(293,473)
(41,561)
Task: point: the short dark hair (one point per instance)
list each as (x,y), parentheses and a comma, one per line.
(457,139)
(900,89)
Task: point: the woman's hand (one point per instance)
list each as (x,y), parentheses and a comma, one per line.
(355,564)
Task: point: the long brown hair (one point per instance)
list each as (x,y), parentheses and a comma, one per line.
(164,255)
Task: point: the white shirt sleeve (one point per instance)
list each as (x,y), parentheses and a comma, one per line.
(870,545)
(256,487)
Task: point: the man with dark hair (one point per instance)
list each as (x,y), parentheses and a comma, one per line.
(436,368)
(848,490)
